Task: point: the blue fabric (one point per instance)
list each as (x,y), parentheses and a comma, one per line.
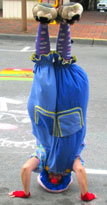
(55,187)
(57,107)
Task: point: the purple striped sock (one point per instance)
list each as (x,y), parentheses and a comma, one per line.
(42,40)
(64,41)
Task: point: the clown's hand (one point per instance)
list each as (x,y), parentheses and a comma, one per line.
(88,196)
(20,194)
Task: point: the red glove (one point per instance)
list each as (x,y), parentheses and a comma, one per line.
(20,194)
(88,196)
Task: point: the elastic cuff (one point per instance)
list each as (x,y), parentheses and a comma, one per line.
(36,59)
(58,57)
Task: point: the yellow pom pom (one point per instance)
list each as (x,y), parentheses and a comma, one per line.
(68,170)
(47,168)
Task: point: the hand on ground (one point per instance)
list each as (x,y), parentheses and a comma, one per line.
(20,194)
(88,196)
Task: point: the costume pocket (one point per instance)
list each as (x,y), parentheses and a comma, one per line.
(70,121)
(59,124)
(45,119)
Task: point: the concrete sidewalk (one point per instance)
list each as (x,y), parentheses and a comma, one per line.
(92,26)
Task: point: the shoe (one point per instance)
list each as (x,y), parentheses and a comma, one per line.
(44,13)
(69,13)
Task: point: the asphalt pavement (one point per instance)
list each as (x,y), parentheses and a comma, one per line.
(17,141)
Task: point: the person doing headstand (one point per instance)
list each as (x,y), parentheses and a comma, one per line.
(57,107)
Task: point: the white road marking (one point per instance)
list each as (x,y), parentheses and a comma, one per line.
(17,69)
(23,144)
(4,101)
(26,120)
(6,126)
(6,50)
(17,152)
(96,171)
(20,116)
(22,112)
(25,49)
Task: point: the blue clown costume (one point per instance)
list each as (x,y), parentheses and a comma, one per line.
(57,107)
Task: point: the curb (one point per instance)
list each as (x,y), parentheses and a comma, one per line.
(21,37)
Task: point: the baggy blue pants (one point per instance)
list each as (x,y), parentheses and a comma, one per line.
(57,107)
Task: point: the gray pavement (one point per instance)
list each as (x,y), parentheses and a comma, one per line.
(17,141)
(22,37)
